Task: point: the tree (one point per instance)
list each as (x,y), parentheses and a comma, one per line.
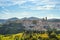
(34,22)
(16,38)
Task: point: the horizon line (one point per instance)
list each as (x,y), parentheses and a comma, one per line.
(32,16)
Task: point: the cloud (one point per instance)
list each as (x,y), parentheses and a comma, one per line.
(50,16)
(43,5)
(46,7)
(39,4)
(18,8)
(11,2)
(8,14)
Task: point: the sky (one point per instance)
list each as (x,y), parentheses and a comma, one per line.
(29,8)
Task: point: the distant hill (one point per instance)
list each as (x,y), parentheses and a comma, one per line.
(2,21)
(53,20)
(12,19)
(33,18)
(30,18)
(24,18)
(5,20)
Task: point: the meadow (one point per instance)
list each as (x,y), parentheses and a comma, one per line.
(31,36)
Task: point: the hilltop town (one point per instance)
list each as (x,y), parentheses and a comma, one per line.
(13,25)
(41,24)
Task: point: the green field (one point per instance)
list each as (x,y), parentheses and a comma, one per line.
(31,36)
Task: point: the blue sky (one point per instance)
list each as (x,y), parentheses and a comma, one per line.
(29,8)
